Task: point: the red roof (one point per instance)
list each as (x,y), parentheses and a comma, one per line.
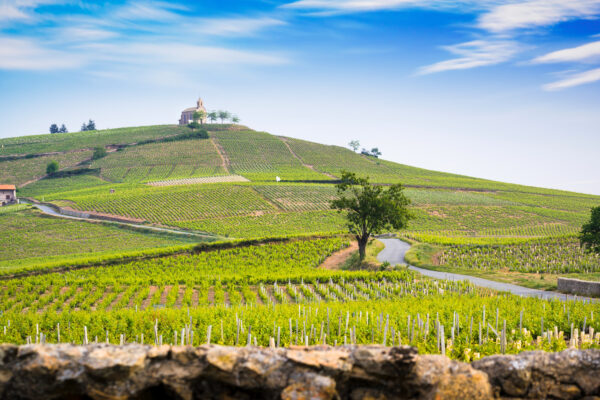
(8,187)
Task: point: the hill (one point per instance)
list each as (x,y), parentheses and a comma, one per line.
(66,279)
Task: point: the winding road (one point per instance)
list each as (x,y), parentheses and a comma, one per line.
(394,252)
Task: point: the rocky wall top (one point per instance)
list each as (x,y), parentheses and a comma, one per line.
(101,371)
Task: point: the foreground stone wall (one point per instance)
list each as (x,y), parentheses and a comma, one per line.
(132,371)
(577,286)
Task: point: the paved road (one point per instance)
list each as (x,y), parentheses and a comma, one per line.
(394,254)
(52,211)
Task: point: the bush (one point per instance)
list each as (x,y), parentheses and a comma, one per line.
(194,125)
(99,152)
(52,167)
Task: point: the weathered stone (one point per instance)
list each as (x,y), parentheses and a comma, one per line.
(101,371)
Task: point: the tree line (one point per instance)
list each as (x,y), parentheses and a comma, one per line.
(222,115)
(86,126)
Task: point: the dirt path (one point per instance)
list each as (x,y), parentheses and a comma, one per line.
(338,258)
(301,161)
(224,159)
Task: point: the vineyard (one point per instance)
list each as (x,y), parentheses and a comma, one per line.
(35,237)
(23,170)
(552,256)
(159,161)
(259,156)
(258,294)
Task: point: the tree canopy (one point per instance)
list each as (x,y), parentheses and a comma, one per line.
(52,167)
(370,209)
(589,236)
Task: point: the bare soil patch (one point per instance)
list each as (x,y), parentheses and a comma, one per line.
(339,258)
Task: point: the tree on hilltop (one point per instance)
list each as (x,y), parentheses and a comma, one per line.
(354,145)
(63,129)
(235,119)
(589,237)
(54,128)
(213,116)
(199,116)
(370,209)
(89,126)
(223,115)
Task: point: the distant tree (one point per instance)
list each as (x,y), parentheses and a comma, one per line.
(213,116)
(52,167)
(365,152)
(370,209)
(235,119)
(375,152)
(91,125)
(354,145)
(193,125)
(99,152)
(54,128)
(84,127)
(199,116)
(589,237)
(223,115)
(63,129)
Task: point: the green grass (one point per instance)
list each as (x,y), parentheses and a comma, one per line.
(35,237)
(35,144)
(18,172)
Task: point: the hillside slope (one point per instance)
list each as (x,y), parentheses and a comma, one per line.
(452,204)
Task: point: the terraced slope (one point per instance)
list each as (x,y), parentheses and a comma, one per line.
(161,161)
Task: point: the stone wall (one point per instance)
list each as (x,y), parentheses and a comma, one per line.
(102,371)
(579,287)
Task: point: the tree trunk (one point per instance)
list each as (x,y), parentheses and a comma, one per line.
(362,246)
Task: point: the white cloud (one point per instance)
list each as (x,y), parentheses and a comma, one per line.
(149,11)
(21,9)
(151,55)
(77,34)
(376,5)
(477,53)
(579,53)
(233,26)
(536,13)
(24,54)
(581,78)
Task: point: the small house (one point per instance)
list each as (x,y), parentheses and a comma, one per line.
(8,194)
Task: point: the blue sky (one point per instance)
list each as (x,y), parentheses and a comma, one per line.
(500,89)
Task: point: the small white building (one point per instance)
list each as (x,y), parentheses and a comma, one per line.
(187,115)
(8,194)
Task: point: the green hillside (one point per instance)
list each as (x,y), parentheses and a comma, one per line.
(443,203)
(120,281)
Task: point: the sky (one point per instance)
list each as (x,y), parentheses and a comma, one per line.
(500,89)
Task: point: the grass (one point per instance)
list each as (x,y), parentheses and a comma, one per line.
(21,171)
(353,263)
(35,237)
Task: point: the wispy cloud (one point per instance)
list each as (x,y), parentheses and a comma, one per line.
(476,53)
(234,26)
(581,78)
(580,53)
(22,9)
(536,13)
(25,54)
(378,5)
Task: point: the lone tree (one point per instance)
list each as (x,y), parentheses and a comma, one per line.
(370,209)
(199,116)
(213,116)
(54,128)
(589,237)
(235,119)
(89,126)
(63,129)
(354,145)
(52,167)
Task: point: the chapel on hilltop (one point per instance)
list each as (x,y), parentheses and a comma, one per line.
(187,115)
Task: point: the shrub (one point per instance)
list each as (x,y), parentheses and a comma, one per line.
(52,167)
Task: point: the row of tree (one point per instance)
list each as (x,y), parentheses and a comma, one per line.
(213,116)
(355,145)
(55,129)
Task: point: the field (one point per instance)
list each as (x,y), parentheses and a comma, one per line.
(35,237)
(75,281)
(277,291)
